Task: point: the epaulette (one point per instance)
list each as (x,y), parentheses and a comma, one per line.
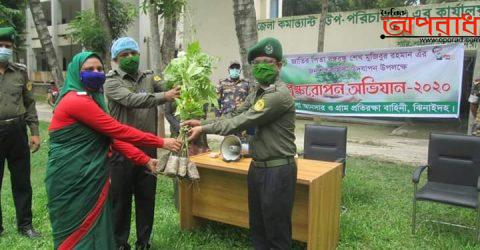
(20,66)
(111,73)
(270,89)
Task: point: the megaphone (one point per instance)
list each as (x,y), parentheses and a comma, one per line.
(232,148)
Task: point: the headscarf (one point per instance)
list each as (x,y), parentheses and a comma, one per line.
(73,83)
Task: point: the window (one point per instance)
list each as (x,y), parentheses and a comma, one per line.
(273,8)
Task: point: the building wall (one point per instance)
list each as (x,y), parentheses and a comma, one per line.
(347,31)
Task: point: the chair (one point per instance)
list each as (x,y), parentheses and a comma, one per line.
(453,174)
(326,143)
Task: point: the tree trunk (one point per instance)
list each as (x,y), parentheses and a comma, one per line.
(157,62)
(321,26)
(155,39)
(46,41)
(246,28)
(169,39)
(101,8)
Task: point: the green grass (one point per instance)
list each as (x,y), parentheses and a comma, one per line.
(377,196)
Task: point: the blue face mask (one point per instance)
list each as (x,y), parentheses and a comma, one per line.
(92,80)
(5,54)
(234,73)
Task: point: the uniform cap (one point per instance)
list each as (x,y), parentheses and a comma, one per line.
(122,44)
(269,47)
(7,34)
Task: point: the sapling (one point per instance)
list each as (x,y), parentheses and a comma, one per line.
(191,72)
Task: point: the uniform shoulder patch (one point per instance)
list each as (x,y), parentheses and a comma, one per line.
(259,105)
(20,66)
(29,86)
(111,73)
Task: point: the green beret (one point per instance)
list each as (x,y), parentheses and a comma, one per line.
(269,47)
(7,34)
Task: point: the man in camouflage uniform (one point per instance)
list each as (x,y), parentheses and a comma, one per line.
(232,91)
(17,111)
(473,99)
(273,173)
(133,97)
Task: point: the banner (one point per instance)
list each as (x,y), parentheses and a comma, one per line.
(423,81)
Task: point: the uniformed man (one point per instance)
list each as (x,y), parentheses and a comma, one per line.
(231,91)
(133,97)
(272,175)
(17,110)
(473,99)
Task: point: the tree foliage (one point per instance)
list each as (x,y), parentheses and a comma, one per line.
(191,71)
(12,13)
(87,30)
(164,8)
(305,7)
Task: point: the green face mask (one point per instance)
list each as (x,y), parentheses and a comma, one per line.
(265,73)
(130,64)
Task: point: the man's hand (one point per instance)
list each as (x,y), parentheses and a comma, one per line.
(191,123)
(34,143)
(172,144)
(172,94)
(194,133)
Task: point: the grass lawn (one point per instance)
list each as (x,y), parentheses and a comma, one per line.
(377,196)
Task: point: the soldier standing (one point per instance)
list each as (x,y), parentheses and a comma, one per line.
(133,97)
(17,111)
(272,175)
(232,91)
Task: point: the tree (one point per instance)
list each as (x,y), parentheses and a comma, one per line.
(169,10)
(246,29)
(12,13)
(321,26)
(101,9)
(96,30)
(46,41)
(163,52)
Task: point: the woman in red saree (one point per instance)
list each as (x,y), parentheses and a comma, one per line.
(77,180)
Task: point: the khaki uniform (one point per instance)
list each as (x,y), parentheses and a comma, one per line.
(474,98)
(16,96)
(133,100)
(273,173)
(17,110)
(271,112)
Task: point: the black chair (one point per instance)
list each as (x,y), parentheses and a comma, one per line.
(325,143)
(453,174)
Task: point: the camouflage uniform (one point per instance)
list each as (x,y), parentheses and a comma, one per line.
(231,95)
(474,98)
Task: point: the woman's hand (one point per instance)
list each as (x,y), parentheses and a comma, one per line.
(172,144)
(152,166)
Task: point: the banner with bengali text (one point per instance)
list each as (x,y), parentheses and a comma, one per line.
(423,81)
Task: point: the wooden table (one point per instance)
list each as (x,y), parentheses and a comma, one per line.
(221,195)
